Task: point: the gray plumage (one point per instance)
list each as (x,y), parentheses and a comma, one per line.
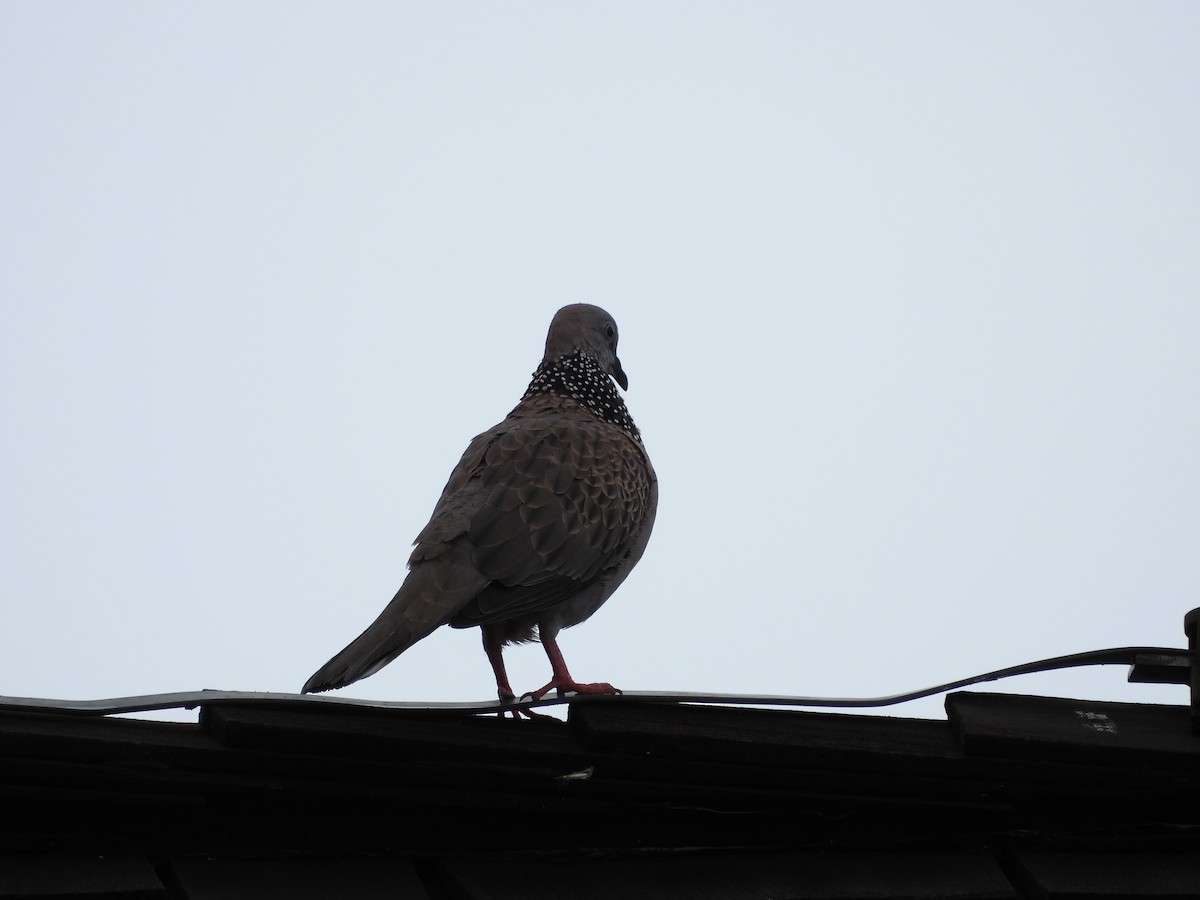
(542,519)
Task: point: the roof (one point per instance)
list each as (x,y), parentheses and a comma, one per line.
(1010,796)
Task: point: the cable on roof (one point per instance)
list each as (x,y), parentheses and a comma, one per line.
(1148,664)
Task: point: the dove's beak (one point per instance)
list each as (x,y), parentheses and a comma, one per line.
(619,374)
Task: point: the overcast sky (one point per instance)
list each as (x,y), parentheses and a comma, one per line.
(909,297)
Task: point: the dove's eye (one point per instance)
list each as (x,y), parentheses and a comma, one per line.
(609,331)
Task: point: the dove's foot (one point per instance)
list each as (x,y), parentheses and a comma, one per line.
(570,686)
(562,680)
(510,704)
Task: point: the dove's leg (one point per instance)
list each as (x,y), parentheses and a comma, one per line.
(562,680)
(493,646)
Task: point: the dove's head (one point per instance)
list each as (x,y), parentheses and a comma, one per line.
(590,329)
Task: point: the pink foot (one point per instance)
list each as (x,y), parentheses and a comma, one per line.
(567,686)
(508,701)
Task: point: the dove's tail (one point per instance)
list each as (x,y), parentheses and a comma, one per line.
(365,655)
(434,591)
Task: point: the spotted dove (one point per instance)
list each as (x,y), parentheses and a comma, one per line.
(542,519)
